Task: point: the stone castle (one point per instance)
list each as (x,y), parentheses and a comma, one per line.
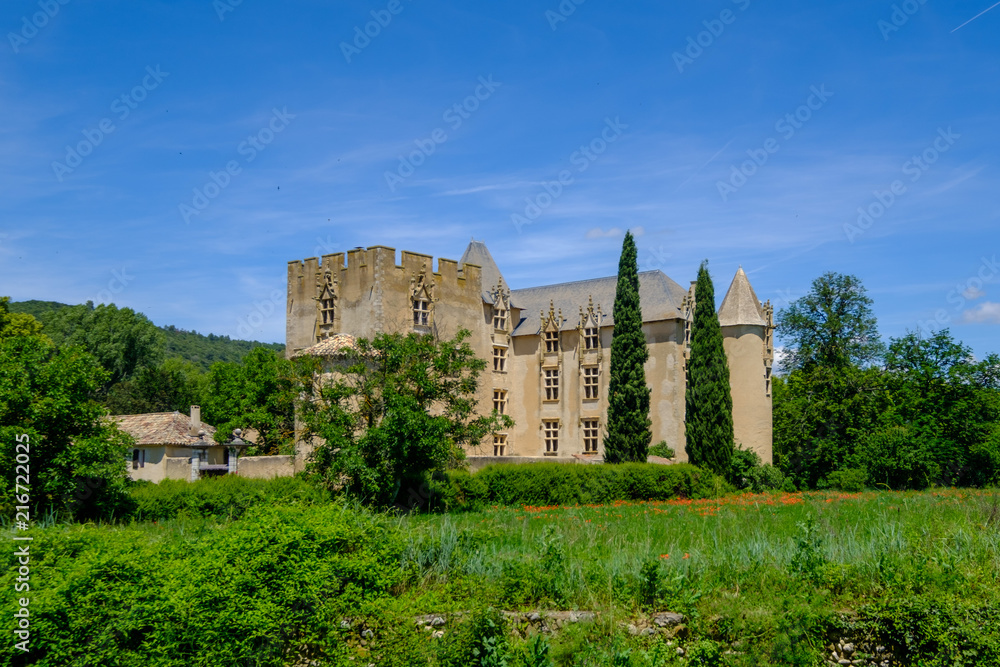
(548,349)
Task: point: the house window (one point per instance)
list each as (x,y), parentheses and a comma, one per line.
(551,384)
(500,319)
(551,341)
(500,359)
(551,427)
(326,310)
(421,312)
(590,338)
(138,459)
(590,382)
(500,401)
(589,436)
(500,444)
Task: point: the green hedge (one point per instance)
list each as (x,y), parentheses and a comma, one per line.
(220,497)
(269,590)
(570,484)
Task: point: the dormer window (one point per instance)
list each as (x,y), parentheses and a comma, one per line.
(421,312)
(591,338)
(500,319)
(551,341)
(326,310)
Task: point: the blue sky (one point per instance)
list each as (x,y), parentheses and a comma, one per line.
(739,131)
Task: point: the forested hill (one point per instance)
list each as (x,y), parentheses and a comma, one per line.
(199,349)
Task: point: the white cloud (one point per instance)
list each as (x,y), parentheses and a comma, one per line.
(598,233)
(985,313)
(972,293)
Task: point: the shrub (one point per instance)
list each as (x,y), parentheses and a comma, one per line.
(479,642)
(662,449)
(896,458)
(574,484)
(849,479)
(748,473)
(269,590)
(221,497)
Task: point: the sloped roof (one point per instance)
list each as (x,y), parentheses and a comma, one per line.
(329,347)
(659,296)
(477,253)
(741,306)
(164,428)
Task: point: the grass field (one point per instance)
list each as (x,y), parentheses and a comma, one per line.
(761,580)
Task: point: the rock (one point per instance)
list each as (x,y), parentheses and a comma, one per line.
(632,630)
(437,621)
(581,616)
(844,661)
(668,618)
(680,651)
(367,634)
(438,634)
(534,617)
(847,649)
(345,625)
(648,631)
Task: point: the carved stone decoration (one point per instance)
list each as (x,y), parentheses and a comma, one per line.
(326,304)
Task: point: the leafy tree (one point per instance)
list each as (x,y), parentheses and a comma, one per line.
(258,394)
(77,456)
(122,340)
(708,400)
(175,385)
(394,409)
(17,324)
(944,406)
(832,326)
(629,431)
(819,415)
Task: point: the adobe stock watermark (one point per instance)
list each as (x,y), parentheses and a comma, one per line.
(899,17)
(37,21)
(714,28)
(654,258)
(122,107)
(964,292)
(914,168)
(119,281)
(261,312)
(581,158)
(249,148)
(381,18)
(786,126)
(454,115)
(223,7)
(562,13)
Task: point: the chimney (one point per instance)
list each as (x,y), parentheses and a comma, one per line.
(195,420)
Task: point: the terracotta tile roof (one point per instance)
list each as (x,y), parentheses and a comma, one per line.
(329,347)
(163,428)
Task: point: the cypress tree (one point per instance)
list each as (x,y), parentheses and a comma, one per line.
(708,400)
(628,395)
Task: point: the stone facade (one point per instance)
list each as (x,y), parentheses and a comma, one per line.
(548,349)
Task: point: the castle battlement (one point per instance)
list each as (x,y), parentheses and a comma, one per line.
(363,264)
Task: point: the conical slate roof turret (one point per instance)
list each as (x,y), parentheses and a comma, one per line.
(741,306)
(477,253)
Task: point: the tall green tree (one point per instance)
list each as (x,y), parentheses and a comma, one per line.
(629,431)
(258,393)
(17,324)
(708,400)
(832,326)
(76,456)
(394,409)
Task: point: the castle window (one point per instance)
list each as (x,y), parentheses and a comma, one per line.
(590,436)
(421,312)
(500,401)
(138,459)
(551,384)
(551,341)
(767,381)
(500,444)
(500,319)
(326,310)
(500,359)
(591,384)
(551,428)
(590,338)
